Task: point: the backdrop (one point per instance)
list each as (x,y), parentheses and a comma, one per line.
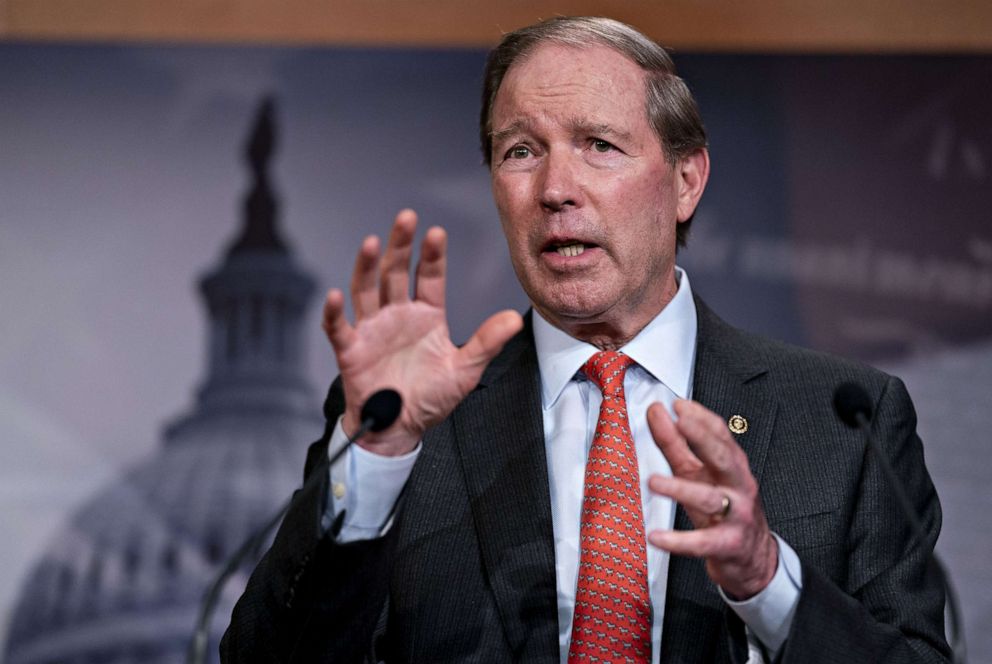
(847,210)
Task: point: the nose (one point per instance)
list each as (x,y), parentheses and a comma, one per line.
(560,187)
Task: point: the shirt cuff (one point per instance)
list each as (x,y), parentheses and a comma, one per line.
(768,615)
(364,487)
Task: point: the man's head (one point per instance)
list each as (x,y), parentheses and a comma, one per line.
(590,193)
(670,106)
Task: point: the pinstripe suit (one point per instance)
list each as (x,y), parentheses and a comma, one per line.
(467,572)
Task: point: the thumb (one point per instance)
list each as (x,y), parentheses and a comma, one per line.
(490,338)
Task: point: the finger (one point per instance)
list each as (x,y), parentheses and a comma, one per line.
(364,290)
(432,266)
(700,543)
(336,326)
(700,497)
(489,339)
(394,279)
(672,443)
(710,440)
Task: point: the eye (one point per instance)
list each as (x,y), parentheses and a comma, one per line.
(518,152)
(599,145)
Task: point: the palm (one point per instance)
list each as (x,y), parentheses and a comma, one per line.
(407,347)
(403,343)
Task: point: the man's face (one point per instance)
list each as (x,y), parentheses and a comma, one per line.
(587,200)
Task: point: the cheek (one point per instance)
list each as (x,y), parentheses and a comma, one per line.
(516,239)
(638,191)
(503,198)
(511,206)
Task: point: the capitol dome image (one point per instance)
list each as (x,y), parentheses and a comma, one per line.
(123,579)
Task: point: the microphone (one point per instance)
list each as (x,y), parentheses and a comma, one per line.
(854,408)
(381,410)
(379,413)
(853,405)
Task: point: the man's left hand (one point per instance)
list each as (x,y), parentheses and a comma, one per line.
(711,479)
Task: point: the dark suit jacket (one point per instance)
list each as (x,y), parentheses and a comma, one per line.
(466,573)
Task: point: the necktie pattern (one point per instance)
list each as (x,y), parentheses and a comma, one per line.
(612,621)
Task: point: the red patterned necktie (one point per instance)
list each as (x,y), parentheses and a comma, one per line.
(612,620)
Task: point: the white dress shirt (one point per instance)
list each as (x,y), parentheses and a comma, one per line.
(366,485)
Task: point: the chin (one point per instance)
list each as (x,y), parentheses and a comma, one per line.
(576,310)
(578,300)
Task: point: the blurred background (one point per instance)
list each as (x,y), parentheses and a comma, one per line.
(181,182)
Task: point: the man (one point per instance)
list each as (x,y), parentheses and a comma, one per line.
(549,491)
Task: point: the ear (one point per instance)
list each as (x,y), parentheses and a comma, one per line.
(691,174)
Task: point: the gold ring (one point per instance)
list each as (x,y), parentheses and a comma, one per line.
(724,508)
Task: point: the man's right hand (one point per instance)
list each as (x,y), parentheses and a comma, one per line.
(404,343)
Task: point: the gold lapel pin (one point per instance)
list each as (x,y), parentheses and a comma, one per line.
(737,424)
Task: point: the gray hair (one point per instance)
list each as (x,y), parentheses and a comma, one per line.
(671,108)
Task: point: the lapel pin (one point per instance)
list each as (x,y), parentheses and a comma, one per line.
(737,424)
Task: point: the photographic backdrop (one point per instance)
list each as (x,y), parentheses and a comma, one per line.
(848,210)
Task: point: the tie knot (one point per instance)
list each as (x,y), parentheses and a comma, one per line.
(607,369)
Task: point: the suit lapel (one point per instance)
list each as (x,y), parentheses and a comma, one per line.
(728,380)
(499,433)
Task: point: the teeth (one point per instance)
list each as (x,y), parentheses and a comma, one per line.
(571,249)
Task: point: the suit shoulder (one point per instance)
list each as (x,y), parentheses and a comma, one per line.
(789,365)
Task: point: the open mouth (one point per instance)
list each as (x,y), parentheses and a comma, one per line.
(572,249)
(568,248)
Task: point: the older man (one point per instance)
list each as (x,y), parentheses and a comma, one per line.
(583,484)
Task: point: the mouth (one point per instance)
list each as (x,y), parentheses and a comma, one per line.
(568,248)
(572,249)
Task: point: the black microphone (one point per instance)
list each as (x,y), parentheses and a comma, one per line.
(378,414)
(854,408)
(381,410)
(853,405)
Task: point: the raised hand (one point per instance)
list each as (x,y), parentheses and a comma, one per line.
(711,479)
(404,343)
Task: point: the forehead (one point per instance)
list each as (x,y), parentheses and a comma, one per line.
(595,83)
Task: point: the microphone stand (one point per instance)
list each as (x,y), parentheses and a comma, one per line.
(853,406)
(378,413)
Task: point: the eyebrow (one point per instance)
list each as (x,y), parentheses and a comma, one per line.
(598,129)
(576,125)
(513,128)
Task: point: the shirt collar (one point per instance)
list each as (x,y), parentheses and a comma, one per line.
(665,348)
